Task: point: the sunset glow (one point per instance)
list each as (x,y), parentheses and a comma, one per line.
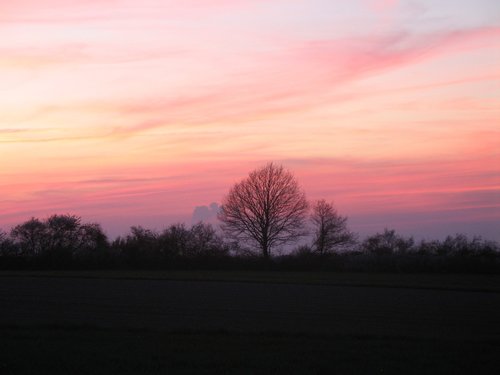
(130,112)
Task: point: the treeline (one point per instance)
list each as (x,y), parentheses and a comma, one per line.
(65,242)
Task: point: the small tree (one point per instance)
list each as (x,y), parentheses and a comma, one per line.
(62,234)
(268,208)
(205,242)
(330,229)
(388,242)
(174,240)
(92,238)
(30,236)
(141,244)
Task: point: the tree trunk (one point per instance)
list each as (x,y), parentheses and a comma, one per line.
(265,249)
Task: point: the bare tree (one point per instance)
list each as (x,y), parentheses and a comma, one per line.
(330,228)
(268,208)
(30,236)
(386,243)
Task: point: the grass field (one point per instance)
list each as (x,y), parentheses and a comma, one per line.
(473,282)
(72,350)
(133,322)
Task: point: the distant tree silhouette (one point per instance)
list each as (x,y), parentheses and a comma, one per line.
(92,238)
(139,247)
(174,241)
(144,247)
(330,228)
(63,241)
(204,241)
(30,237)
(58,237)
(388,242)
(62,234)
(267,208)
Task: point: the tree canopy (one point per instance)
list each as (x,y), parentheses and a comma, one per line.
(268,208)
(330,228)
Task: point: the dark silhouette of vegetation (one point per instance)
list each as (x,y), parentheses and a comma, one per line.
(330,228)
(55,241)
(387,243)
(173,247)
(267,208)
(64,242)
(7,247)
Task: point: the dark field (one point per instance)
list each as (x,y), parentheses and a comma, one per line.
(288,323)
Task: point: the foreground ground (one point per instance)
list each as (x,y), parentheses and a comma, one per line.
(209,322)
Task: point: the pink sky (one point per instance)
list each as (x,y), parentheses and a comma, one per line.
(131,112)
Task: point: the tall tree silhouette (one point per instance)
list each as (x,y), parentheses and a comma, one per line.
(268,208)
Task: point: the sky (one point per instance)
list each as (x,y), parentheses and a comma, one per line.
(145,112)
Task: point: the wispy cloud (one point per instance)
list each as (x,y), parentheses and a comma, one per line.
(119,106)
